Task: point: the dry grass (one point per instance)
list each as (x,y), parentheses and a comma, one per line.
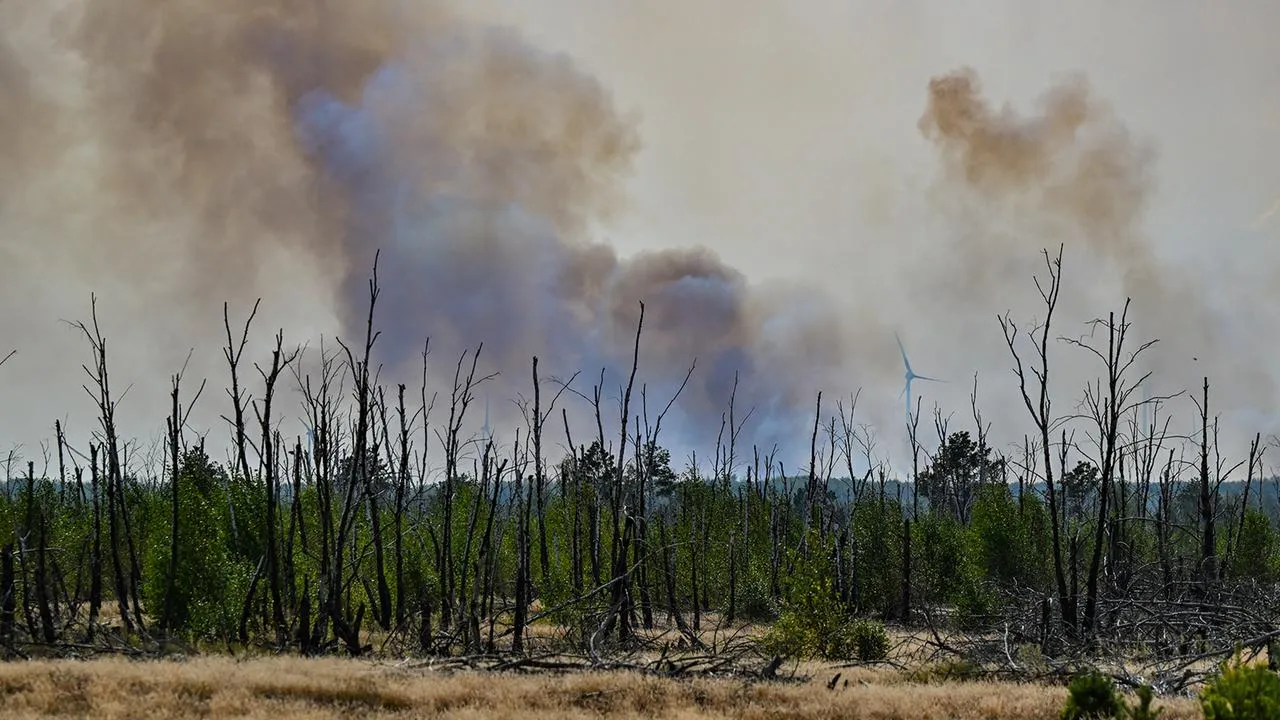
(297,688)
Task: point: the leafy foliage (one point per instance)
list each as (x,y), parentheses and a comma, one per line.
(756,604)
(1242,692)
(863,640)
(1255,552)
(1093,696)
(212,577)
(960,468)
(815,623)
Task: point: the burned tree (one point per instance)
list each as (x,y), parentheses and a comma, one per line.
(1106,400)
(1040,410)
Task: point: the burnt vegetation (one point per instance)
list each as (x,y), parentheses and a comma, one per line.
(1107,539)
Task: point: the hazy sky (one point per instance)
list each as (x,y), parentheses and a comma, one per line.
(785,136)
(765,121)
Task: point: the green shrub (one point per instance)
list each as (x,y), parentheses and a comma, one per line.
(872,641)
(938,556)
(790,637)
(861,640)
(974,601)
(815,623)
(1093,696)
(211,581)
(1255,553)
(795,636)
(1030,657)
(755,603)
(1242,693)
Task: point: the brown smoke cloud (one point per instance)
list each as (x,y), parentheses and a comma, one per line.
(1072,173)
(1070,170)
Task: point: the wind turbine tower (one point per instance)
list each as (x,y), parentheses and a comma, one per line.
(910,376)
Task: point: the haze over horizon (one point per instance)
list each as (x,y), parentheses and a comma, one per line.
(828,172)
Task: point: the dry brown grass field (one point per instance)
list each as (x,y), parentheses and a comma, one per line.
(222,687)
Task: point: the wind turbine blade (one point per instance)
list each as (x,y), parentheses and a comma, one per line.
(902,350)
(921,377)
(904,392)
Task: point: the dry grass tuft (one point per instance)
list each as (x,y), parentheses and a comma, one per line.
(330,688)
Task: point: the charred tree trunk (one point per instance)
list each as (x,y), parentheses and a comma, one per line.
(460,399)
(539,481)
(95,551)
(43,589)
(522,600)
(8,596)
(623,525)
(176,422)
(271,485)
(402,483)
(575,499)
(731,612)
(175,461)
(233,355)
(1207,503)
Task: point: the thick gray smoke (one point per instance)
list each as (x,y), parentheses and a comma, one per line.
(478,165)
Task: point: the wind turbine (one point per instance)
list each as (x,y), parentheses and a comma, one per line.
(910,376)
(311,436)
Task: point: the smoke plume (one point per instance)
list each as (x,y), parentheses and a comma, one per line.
(1071,173)
(239,141)
(479,166)
(174,155)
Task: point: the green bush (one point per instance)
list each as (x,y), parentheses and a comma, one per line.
(795,636)
(755,603)
(1242,693)
(975,602)
(1093,696)
(815,623)
(211,580)
(1255,553)
(877,555)
(861,640)
(790,637)
(938,554)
